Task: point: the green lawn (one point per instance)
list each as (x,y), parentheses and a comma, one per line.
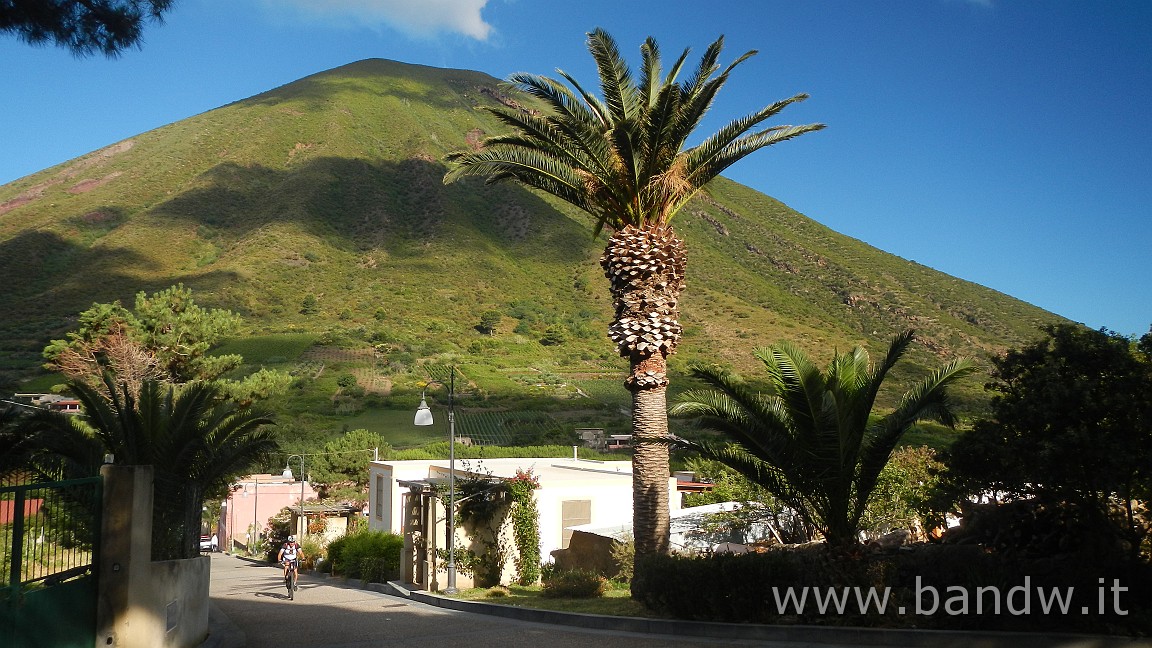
(268,349)
(396,426)
(615,602)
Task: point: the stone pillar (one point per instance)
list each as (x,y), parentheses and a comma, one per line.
(125,557)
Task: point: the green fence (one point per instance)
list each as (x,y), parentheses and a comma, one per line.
(49,532)
(49,540)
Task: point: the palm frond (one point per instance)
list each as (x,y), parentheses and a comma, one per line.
(650,70)
(616,82)
(739,459)
(603,115)
(712,163)
(527,166)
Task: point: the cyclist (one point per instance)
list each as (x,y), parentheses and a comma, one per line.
(290,555)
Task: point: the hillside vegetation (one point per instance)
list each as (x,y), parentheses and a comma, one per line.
(316,211)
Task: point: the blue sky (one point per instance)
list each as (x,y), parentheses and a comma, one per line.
(1006,142)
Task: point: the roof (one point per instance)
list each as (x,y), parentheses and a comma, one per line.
(325,509)
(681,520)
(552,471)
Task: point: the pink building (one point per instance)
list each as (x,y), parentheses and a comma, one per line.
(257,498)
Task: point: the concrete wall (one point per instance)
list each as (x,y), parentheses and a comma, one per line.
(178,593)
(140,602)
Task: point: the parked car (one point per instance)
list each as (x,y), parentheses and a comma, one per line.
(205,543)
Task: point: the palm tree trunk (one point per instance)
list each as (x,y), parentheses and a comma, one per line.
(650,517)
(646,271)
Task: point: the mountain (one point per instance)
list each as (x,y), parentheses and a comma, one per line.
(316,211)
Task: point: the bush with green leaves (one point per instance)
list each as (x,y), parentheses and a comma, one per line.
(624,557)
(313,551)
(489,320)
(575,583)
(753,588)
(902,496)
(554,335)
(279,528)
(1070,426)
(371,556)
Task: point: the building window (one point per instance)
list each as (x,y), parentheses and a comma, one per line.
(379,497)
(573,513)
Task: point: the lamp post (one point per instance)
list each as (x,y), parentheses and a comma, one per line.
(424,417)
(231,503)
(255,514)
(288,473)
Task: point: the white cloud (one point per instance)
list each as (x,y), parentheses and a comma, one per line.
(415,17)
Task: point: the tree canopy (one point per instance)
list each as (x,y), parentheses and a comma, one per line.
(623,158)
(167,337)
(83,26)
(342,467)
(1070,420)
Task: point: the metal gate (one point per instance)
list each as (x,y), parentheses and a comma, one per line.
(49,541)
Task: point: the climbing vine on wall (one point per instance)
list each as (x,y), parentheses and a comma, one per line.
(482,511)
(525,525)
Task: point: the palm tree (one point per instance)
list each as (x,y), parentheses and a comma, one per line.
(196,442)
(811,440)
(623,160)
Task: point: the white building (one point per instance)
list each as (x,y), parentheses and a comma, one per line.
(572,492)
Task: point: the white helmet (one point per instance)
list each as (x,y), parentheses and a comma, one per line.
(291,538)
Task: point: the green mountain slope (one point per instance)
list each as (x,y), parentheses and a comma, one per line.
(330,187)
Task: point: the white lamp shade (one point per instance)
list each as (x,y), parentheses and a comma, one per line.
(287,474)
(423,414)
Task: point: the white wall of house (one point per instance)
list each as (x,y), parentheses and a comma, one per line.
(386,496)
(572,492)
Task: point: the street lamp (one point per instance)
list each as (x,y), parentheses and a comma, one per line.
(255,510)
(288,474)
(424,417)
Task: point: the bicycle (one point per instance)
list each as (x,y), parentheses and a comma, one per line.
(292,579)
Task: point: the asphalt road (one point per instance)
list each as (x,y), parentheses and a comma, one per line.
(251,608)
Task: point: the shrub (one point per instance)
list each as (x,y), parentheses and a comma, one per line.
(526,525)
(576,583)
(335,553)
(547,569)
(313,551)
(258,546)
(624,557)
(498,592)
(372,556)
(378,569)
(277,532)
(747,588)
